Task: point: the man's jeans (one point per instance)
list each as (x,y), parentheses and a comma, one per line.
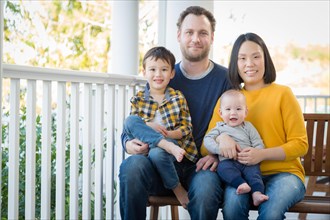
(284,190)
(139,179)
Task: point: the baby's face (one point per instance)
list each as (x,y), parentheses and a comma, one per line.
(233,110)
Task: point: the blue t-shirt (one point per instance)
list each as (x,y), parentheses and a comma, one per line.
(201,95)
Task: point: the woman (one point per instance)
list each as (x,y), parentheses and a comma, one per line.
(275,112)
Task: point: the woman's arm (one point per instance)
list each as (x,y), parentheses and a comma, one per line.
(252,156)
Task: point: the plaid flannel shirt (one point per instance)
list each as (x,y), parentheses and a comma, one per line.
(175,115)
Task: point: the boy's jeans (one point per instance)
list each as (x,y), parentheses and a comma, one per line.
(135,127)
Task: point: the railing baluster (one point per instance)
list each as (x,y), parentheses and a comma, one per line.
(74,150)
(13,185)
(99,112)
(60,150)
(87,136)
(46,151)
(30,173)
(110,152)
(119,153)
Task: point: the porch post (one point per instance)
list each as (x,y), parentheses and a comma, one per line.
(173,10)
(124,38)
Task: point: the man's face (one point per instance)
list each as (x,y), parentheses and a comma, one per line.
(195,37)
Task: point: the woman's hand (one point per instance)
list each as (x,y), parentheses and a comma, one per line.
(228,147)
(204,163)
(250,156)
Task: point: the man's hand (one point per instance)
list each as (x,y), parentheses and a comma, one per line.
(136,146)
(228,147)
(204,163)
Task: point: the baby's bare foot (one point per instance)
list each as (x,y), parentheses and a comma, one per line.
(182,195)
(259,198)
(243,188)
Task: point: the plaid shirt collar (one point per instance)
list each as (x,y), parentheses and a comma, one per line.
(147,93)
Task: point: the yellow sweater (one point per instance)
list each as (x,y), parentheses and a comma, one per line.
(276,114)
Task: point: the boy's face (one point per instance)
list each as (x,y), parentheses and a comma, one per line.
(233,110)
(158,74)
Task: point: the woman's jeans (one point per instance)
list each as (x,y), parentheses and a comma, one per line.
(135,127)
(284,190)
(138,179)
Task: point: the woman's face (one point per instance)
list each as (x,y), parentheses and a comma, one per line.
(251,65)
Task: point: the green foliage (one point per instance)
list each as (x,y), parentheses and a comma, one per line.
(311,53)
(15,8)
(60,34)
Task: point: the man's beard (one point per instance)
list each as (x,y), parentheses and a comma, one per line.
(194,58)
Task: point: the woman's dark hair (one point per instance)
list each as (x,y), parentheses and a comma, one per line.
(159,53)
(234,77)
(198,11)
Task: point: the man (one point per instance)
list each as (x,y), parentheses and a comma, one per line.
(202,82)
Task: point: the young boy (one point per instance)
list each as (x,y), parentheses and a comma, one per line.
(245,178)
(160,117)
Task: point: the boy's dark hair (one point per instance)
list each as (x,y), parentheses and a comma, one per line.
(234,77)
(159,53)
(198,11)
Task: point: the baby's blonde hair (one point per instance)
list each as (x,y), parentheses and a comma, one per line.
(233,93)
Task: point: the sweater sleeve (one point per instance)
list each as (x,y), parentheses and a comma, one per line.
(215,118)
(255,138)
(133,111)
(209,141)
(293,120)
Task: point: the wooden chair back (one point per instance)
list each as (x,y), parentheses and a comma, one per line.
(317,160)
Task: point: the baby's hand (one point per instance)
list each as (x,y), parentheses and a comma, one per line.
(227,146)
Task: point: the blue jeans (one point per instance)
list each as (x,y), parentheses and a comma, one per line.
(135,127)
(138,179)
(234,173)
(284,190)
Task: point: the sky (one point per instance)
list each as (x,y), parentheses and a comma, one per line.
(277,22)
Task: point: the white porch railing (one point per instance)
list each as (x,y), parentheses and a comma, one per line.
(89,112)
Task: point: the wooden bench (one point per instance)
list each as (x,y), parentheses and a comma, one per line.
(316,163)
